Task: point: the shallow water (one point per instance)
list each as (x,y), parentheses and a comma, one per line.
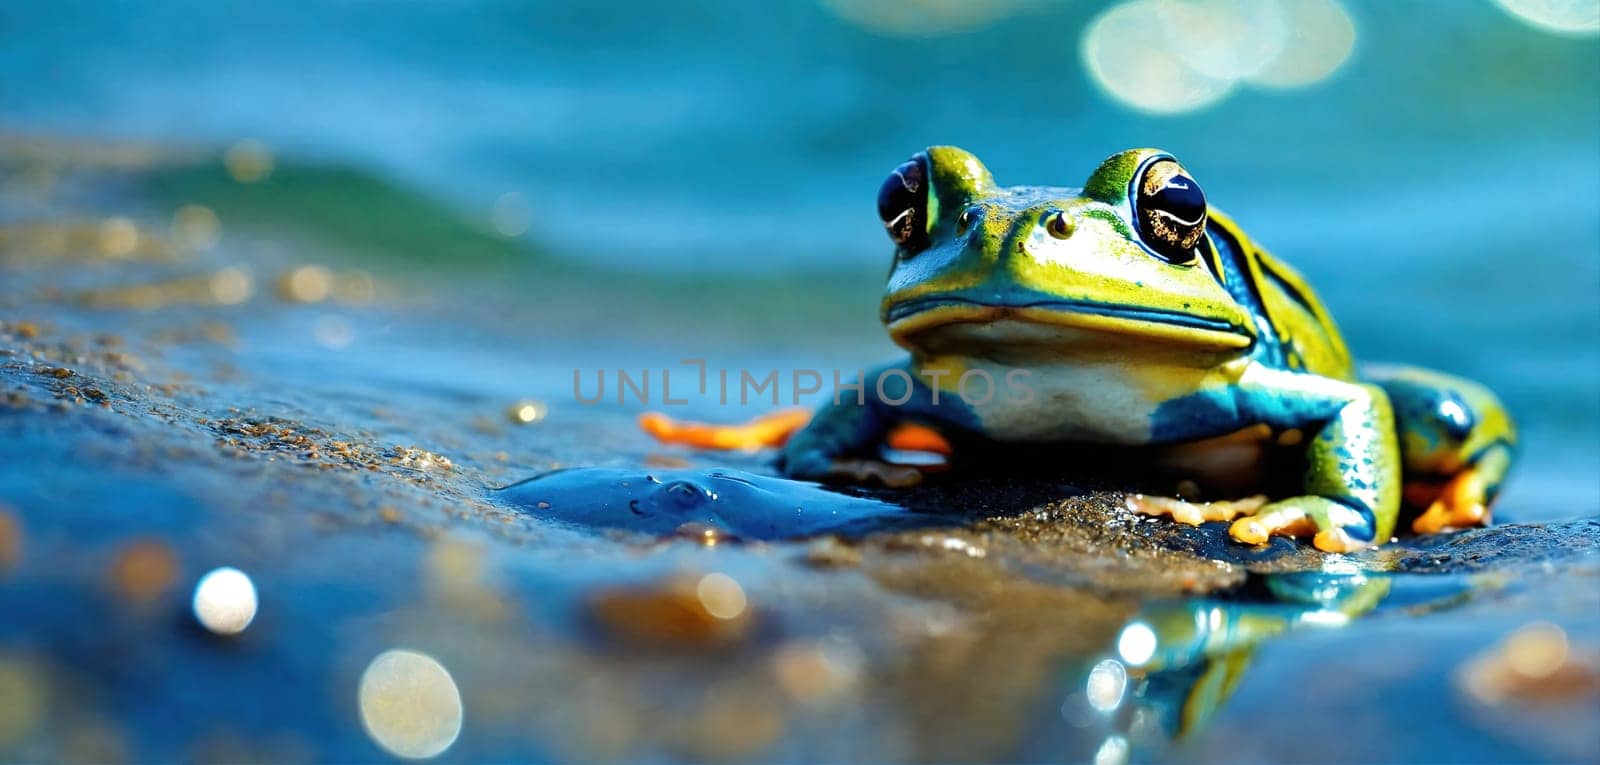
(341,447)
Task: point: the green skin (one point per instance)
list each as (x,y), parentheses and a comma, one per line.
(1052,297)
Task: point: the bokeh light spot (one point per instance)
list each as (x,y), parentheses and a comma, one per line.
(410,705)
(248,161)
(721,596)
(1320,38)
(1107,682)
(196,227)
(1537,650)
(1137,643)
(143,570)
(1534,665)
(815,673)
(225,601)
(306,284)
(231,286)
(527,411)
(1129,56)
(119,237)
(1224,39)
(1113,751)
(511,215)
(1579,18)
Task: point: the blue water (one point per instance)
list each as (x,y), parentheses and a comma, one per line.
(753,134)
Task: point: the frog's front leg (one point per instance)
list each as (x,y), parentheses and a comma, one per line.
(843,438)
(1352,477)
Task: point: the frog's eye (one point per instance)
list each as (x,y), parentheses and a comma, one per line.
(903,204)
(1170,209)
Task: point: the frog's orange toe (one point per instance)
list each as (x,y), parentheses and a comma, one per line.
(912,437)
(1272,521)
(767,431)
(1460,505)
(1194,513)
(1249,531)
(1337,540)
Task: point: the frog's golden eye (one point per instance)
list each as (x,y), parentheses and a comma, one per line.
(903,204)
(1170,209)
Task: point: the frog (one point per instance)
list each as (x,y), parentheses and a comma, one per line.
(1130,315)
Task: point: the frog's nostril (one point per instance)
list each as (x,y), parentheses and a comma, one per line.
(966,219)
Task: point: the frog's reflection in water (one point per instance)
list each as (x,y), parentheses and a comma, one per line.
(1176,663)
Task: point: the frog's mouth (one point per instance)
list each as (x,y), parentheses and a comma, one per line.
(922,314)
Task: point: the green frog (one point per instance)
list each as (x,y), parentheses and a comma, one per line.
(1130,314)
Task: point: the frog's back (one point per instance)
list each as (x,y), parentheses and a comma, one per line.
(1295,330)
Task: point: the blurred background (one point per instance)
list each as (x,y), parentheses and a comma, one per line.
(392,229)
(721,135)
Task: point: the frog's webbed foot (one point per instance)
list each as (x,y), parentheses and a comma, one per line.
(1462,504)
(1255,520)
(1333,526)
(1194,513)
